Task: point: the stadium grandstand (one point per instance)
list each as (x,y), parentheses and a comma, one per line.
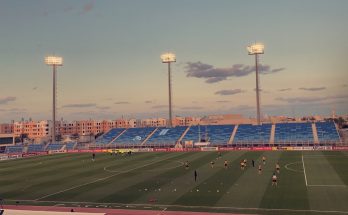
(242,135)
(279,134)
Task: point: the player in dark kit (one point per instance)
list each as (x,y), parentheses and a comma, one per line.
(253,163)
(93,157)
(195,174)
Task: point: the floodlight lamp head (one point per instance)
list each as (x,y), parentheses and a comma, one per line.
(168,57)
(54,61)
(256,48)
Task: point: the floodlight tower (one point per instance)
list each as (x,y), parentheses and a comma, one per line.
(256,49)
(169,58)
(54,61)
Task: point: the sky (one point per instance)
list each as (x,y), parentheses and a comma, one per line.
(112,66)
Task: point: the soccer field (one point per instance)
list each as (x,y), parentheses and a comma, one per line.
(310,182)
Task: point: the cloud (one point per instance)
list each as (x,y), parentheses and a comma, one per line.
(7,99)
(312,88)
(191,108)
(68,8)
(14,110)
(222,101)
(88,7)
(121,103)
(17,109)
(310,99)
(284,89)
(148,102)
(214,75)
(159,106)
(34,88)
(228,92)
(241,108)
(261,90)
(103,107)
(345,85)
(86,105)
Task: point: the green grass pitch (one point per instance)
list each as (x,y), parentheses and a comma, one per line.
(310,182)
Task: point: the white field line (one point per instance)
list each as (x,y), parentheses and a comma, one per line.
(321,156)
(304,171)
(101,179)
(186,206)
(161,212)
(327,185)
(317,185)
(291,169)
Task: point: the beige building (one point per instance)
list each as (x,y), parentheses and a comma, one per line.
(6,128)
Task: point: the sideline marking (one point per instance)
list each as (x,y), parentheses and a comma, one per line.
(327,185)
(187,206)
(160,213)
(304,171)
(101,179)
(318,185)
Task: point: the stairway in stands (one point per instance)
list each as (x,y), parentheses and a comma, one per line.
(183,134)
(271,139)
(233,134)
(148,137)
(315,133)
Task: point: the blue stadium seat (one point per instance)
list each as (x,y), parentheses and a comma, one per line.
(54,146)
(217,134)
(134,136)
(247,133)
(70,145)
(166,135)
(293,132)
(109,136)
(36,148)
(13,149)
(327,132)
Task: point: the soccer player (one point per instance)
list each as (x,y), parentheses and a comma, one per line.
(242,165)
(253,163)
(264,160)
(93,157)
(260,169)
(225,164)
(278,167)
(274,179)
(187,165)
(212,164)
(195,174)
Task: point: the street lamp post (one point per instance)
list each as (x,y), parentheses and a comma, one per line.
(169,58)
(256,49)
(54,61)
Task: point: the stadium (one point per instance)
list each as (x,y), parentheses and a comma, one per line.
(142,171)
(215,151)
